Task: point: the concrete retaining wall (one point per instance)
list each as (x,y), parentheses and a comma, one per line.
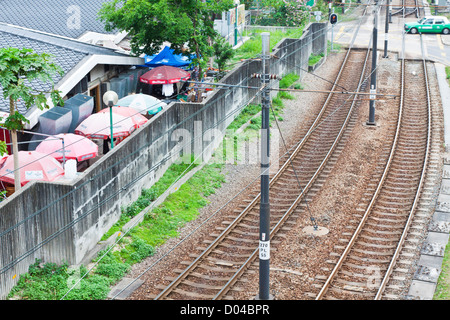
(61,222)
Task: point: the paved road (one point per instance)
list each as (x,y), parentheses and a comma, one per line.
(437,46)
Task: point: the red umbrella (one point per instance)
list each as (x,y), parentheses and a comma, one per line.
(98,126)
(75,147)
(33,165)
(164,75)
(137,118)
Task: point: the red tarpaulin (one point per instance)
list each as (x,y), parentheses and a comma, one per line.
(164,75)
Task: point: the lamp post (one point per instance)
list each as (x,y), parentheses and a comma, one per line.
(110,98)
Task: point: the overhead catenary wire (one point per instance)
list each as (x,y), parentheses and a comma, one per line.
(295,90)
(81,216)
(173,248)
(239,110)
(247,61)
(221,208)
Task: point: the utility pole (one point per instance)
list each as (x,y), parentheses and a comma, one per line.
(264,218)
(386,30)
(373,76)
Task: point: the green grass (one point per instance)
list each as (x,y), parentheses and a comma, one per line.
(315,58)
(245,115)
(174,172)
(249,112)
(288,80)
(252,48)
(442,291)
(447,72)
(51,282)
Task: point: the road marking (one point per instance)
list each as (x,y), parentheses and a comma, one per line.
(441,45)
(340,32)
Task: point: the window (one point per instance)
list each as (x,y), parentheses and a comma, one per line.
(439,22)
(428,21)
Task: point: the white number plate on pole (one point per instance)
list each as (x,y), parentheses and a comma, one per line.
(264,250)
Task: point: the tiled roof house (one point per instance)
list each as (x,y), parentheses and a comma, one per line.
(71,32)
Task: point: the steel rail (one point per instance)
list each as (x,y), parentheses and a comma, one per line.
(377,192)
(293,206)
(287,214)
(422,180)
(254,202)
(349,246)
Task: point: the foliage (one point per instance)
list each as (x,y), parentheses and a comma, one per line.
(223,52)
(287,80)
(252,47)
(315,58)
(18,67)
(442,291)
(150,23)
(3,149)
(289,13)
(174,172)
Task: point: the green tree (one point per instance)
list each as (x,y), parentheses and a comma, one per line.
(18,67)
(290,13)
(223,52)
(150,23)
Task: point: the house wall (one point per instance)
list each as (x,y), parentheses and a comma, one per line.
(62,221)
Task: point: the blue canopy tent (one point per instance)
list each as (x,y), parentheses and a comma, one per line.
(167,58)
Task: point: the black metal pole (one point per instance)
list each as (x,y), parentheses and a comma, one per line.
(386,30)
(264,232)
(373,76)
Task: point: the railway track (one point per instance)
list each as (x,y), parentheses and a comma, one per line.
(408,7)
(232,249)
(366,264)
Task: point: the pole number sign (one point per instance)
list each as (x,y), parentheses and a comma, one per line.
(264,250)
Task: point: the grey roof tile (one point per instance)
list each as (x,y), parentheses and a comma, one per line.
(66,53)
(69,18)
(63,57)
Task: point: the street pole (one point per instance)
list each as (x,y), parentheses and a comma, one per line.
(110,98)
(386,30)
(332,36)
(264,219)
(373,76)
(110,105)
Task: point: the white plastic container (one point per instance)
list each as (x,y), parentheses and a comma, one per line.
(70,169)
